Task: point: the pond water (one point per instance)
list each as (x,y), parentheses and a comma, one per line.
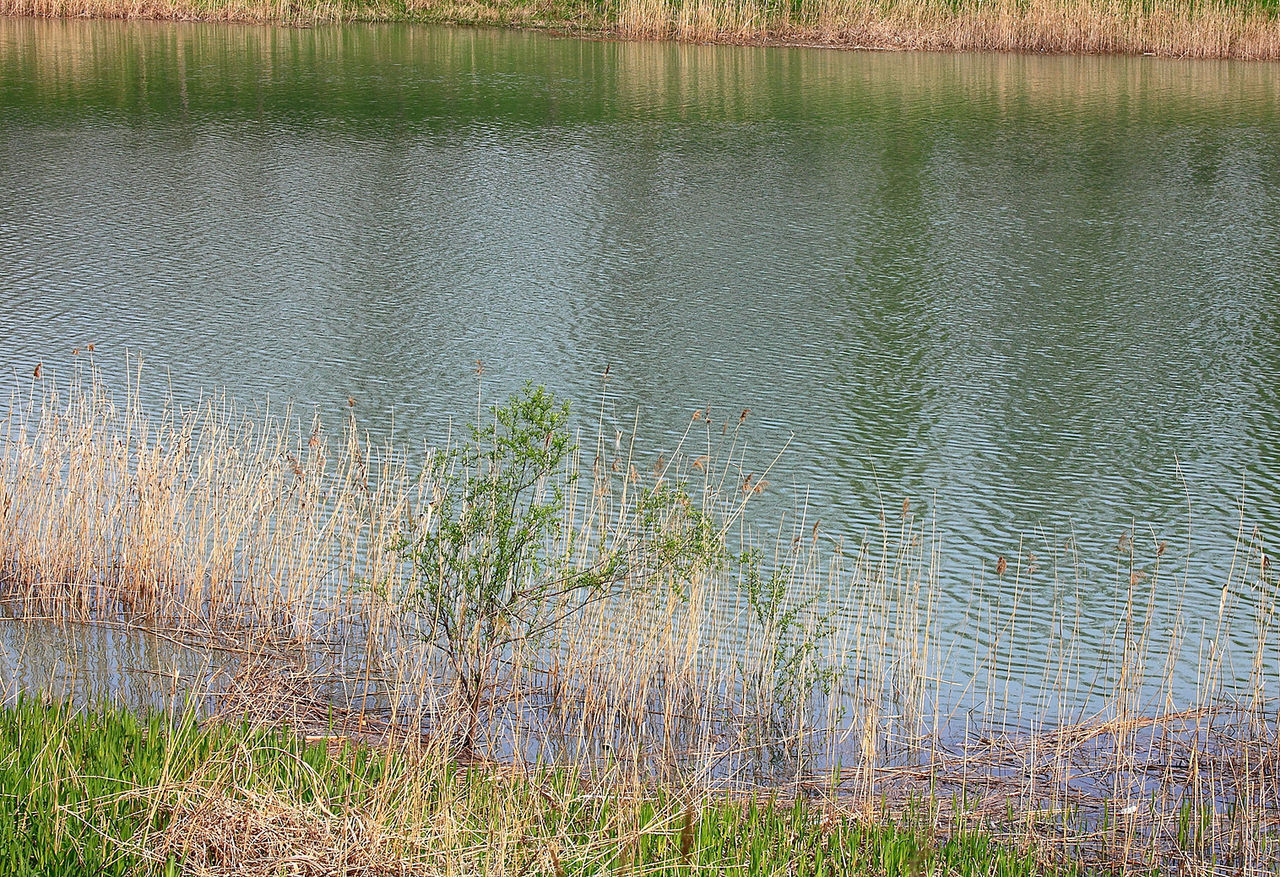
(1038,296)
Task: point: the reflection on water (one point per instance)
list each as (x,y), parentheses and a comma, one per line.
(88,663)
(1038,296)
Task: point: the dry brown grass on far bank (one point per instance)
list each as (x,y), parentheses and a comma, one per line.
(1177,29)
(1170,28)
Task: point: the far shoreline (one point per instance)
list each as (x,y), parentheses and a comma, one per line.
(1218,30)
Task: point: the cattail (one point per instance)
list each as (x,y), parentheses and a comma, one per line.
(686,832)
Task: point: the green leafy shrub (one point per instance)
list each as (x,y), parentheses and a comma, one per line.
(485,576)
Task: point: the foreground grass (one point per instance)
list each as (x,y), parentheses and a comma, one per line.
(105,792)
(1180,28)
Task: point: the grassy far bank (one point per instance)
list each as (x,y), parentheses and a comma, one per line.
(105,792)
(1247,29)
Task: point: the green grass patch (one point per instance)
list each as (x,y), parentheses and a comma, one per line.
(105,792)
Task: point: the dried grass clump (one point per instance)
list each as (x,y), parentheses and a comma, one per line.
(200,518)
(251,835)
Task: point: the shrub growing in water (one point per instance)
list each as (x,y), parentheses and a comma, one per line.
(482,577)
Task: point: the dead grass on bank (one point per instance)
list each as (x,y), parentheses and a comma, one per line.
(1168,28)
(254,533)
(309,13)
(284,12)
(1171,28)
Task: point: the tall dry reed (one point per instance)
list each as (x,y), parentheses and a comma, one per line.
(1165,27)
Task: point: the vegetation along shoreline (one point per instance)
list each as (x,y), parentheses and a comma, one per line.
(561,646)
(1239,29)
(111,792)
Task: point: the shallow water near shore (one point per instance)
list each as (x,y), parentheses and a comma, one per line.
(1036,296)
